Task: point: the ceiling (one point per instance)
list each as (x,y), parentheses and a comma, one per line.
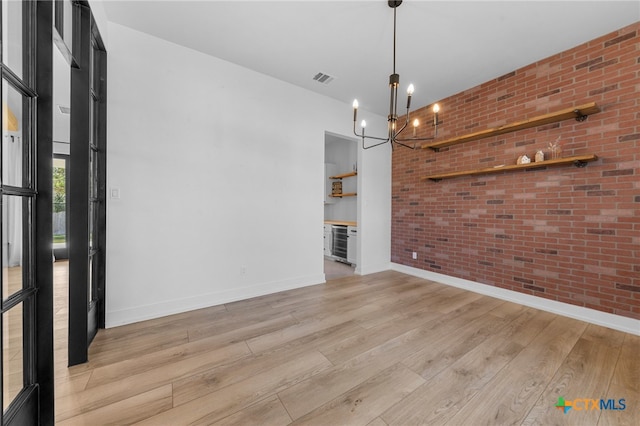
(443,47)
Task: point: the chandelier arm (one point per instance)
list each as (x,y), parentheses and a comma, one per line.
(404,126)
(405,145)
(374,138)
(363,136)
(374,145)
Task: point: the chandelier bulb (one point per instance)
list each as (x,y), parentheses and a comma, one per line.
(436,108)
(410,90)
(363,124)
(416,122)
(355,104)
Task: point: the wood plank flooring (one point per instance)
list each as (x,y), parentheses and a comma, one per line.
(382,349)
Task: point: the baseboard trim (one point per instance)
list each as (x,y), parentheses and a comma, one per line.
(157,310)
(371,269)
(616,322)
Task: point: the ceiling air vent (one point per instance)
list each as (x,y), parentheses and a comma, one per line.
(323,78)
(64,109)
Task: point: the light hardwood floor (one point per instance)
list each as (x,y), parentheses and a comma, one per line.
(383,349)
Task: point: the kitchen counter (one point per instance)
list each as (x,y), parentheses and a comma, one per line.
(340,222)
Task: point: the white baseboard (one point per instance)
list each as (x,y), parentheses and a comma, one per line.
(157,310)
(372,269)
(616,322)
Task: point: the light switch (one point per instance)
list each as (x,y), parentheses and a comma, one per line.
(115,193)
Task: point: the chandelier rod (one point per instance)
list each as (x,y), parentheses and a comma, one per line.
(394,39)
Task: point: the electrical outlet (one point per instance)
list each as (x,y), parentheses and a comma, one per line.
(415,255)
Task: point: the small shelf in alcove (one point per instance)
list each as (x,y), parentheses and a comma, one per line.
(578,161)
(346,194)
(344,175)
(579,113)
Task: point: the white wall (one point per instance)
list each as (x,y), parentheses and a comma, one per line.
(374,215)
(221,178)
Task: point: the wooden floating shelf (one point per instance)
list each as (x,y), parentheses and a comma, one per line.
(578,161)
(346,194)
(579,113)
(344,175)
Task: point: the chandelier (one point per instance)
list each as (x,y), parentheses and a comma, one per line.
(393,131)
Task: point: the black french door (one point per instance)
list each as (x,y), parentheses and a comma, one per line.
(26,200)
(87,185)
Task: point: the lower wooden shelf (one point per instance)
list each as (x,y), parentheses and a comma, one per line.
(578,161)
(346,194)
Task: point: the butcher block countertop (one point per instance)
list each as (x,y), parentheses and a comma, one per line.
(340,222)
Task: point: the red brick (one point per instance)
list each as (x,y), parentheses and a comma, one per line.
(565,233)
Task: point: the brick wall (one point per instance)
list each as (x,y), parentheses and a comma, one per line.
(562,233)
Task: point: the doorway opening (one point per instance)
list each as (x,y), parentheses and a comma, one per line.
(341,206)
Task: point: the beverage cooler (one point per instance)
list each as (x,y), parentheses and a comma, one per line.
(339,246)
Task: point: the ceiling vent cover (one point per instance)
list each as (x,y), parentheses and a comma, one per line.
(323,78)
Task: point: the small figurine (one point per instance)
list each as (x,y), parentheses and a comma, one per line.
(539,156)
(523,159)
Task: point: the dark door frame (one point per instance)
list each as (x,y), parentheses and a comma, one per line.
(44,205)
(88,136)
(35,403)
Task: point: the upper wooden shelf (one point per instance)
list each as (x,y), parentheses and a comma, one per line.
(344,175)
(579,112)
(578,161)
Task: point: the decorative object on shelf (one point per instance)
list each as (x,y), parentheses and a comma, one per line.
(555,150)
(523,159)
(539,156)
(336,188)
(392,125)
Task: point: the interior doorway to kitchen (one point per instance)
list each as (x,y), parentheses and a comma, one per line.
(341,184)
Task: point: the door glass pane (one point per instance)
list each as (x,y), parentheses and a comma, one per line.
(93,173)
(12,36)
(95,67)
(94,128)
(15,148)
(14,233)
(92,219)
(90,279)
(59,203)
(67,10)
(12,354)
